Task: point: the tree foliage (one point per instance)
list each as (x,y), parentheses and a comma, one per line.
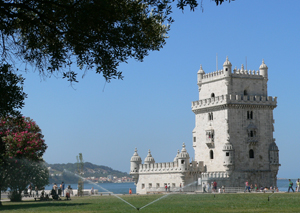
(11,91)
(21,173)
(21,149)
(52,34)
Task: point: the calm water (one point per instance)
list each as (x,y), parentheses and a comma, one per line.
(123,188)
(116,188)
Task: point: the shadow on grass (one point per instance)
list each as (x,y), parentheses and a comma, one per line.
(33,204)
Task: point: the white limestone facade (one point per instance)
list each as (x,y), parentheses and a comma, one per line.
(233,136)
(234,127)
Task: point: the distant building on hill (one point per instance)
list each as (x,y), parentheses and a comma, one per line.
(233,137)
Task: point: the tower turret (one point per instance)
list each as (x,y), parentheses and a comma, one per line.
(200,74)
(149,159)
(134,166)
(263,69)
(183,159)
(135,162)
(227,67)
(228,161)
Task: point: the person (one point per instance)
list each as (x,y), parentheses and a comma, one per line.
(247,186)
(166,187)
(298,185)
(204,187)
(290,185)
(255,187)
(63,188)
(92,191)
(223,189)
(130,191)
(215,186)
(36,191)
(69,191)
(208,187)
(180,186)
(55,188)
(30,189)
(169,187)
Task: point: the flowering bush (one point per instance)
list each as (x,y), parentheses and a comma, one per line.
(21,138)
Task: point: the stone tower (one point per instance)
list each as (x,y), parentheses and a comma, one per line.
(234,126)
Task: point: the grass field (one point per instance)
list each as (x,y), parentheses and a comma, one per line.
(249,202)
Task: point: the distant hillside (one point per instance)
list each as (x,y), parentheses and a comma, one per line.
(58,175)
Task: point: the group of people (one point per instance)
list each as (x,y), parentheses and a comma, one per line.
(250,188)
(212,187)
(31,192)
(61,190)
(291,185)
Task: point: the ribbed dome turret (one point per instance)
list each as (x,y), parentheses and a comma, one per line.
(183,153)
(175,159)
(149,159)
(263,65)
(201,71)
(227,62)
(273,147)
(136,157)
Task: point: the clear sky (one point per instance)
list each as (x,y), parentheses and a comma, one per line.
(151,107)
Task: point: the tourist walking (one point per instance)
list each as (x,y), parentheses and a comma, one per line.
(204,187)
(247,186)
(215,186)
(208,187)
(290,185)
(298,185)
(166,187)
(130,191)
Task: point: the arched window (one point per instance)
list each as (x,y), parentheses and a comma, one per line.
(212,95)
(251,114)
(245,92)
(251,153)
(211,154)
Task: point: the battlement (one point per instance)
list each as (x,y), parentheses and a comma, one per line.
(234,99)
(170,167)
(213,76)
(217,75)
(214,175)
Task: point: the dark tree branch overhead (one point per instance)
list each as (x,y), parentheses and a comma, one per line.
(99,35)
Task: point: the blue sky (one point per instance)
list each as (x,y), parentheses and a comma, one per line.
(151,107)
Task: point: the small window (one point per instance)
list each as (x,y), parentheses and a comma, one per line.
(182,161)
(212,95)
(194,139)
(150,185)
(227,153)
(211,154)
(249,115)
(251,153)
(245,92)
(226,69)
(143,185)
(157,185)
(210,116)
(173,185)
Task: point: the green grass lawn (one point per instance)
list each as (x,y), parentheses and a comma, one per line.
(249,202)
